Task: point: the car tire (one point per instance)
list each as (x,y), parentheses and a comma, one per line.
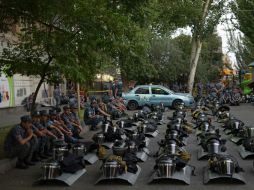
(132,105)
(176,103)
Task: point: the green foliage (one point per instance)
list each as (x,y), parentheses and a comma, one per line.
(168,58)
(171,59)
(210,62)
(76,39)
(243,10)
(243,46)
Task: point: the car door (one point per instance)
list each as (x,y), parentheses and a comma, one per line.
(160,95)
(142,95)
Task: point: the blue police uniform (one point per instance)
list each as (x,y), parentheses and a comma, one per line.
(67,121)
(90,112)
(43,141)
(13,148)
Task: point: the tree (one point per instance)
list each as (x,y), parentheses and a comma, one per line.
(202,16)
(69,39)
(243,45)
(203,25)
(132,42)
(243,11)
(169,58)
(210,63)
(75,38)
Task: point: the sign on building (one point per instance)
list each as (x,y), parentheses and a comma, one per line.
(6,91)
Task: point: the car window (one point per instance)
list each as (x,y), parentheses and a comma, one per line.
(159,91)
(142,90)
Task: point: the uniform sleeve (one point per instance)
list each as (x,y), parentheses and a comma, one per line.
(76,117)
(96,110)
(39,126)
(34,128)
(50,123)
(91,112)
(17,133)
(65,119)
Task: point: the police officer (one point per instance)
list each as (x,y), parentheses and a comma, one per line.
(21,143)
(92,117)
(199,89)
(68,135)
(113,110)
(74,114)
(115,88)
(57,96)
(43,138)
(68,121)
(219,87)
(48,124)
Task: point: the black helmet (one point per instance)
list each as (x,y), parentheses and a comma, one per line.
(66,107)
(43,113)
(52,112)
(25,118)
(36,114)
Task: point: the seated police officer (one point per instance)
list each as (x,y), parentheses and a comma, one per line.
(57,124)
(21,142)
(94,116)
(42,136)
(48,124)
(68,135)
(74,114)
(70,123)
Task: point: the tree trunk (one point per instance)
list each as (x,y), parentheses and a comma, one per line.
(124,76)
(33,106)
(43,76)
(197,47)
(125,82)
(193,50)
(194,63)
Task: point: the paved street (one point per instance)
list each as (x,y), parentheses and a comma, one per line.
(19,179)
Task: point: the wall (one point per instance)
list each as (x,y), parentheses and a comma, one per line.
(24,86)
(6,91)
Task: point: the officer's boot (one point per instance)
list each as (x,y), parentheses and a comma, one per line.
(28,160)
(21,164)
(36,157)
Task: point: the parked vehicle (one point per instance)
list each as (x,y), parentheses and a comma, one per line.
(155,95)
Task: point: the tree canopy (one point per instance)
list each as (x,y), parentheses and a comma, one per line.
(243,45)
(75,39)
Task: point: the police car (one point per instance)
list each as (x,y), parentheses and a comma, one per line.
(155,95)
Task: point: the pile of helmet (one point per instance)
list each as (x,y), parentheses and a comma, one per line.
(213,147)
(130,139)
(172,158)
(209,137)
(240,134)
(66,159)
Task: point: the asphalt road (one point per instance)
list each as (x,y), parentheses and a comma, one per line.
(19,179)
